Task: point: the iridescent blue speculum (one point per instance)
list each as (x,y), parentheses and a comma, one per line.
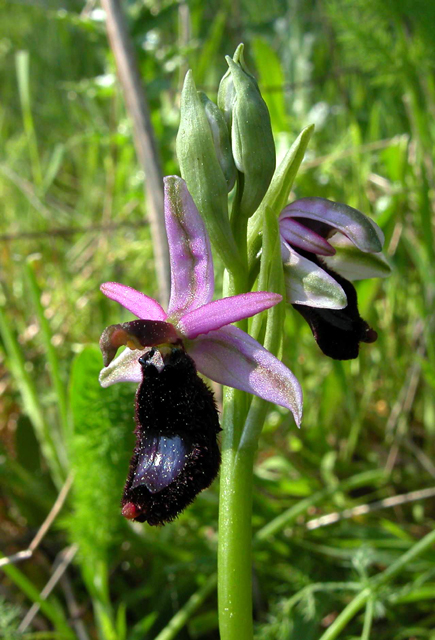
(176,453)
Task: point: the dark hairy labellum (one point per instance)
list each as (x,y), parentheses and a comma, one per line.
(338,332)
(176,453)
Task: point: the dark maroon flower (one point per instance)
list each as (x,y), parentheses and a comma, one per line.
(176,453)
(323,243)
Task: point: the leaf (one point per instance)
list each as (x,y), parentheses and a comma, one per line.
(100,449)
(270,74)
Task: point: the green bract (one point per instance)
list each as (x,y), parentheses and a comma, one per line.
(277,194)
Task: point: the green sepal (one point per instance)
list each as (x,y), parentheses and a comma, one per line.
(203,175)
(278,192)
(353,264)
(221,139)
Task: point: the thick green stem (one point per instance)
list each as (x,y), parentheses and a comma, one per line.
(239,443)
(235,534)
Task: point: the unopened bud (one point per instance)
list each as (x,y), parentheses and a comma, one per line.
(251,132)
(221,139)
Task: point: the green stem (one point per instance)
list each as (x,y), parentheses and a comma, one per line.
(53,360)
(31,400)
(182,616)
(235,535)
(368,620)
(236,479)
(239,443)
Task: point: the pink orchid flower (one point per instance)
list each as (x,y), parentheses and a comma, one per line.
(201,326)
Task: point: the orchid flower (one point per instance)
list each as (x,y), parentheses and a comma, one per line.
(323,243)
(176,453)
(220,351)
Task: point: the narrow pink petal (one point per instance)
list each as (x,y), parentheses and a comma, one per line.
(192,276)
(219,313)
(299,235)
(364,233)
(138,303)
(125,368)
(231,357)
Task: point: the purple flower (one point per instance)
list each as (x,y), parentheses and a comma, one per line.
(323,245)
(220,351)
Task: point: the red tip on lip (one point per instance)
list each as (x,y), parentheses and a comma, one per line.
(130,511)
(371,336)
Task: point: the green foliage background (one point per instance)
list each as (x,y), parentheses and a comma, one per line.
(73,216)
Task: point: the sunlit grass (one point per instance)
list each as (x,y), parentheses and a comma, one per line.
(67,162)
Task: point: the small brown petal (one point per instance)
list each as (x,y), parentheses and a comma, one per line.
(136,335)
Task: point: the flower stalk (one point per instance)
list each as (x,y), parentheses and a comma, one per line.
(242,424)
(235,533)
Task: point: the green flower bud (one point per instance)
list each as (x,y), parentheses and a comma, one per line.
(221,139)
(251,132)
(227,93)
(200,169)
(226,96)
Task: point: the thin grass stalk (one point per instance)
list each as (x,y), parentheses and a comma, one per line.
(52,612)
(272,528)
(96,578)
(23,74)
(144,136)
(375,584)
(183,616)
(53,360)
(31,402)
(368,620)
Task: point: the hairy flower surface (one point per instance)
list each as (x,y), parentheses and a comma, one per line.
(324,245)
(176,453)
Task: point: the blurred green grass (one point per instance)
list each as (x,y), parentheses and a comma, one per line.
(363,73)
